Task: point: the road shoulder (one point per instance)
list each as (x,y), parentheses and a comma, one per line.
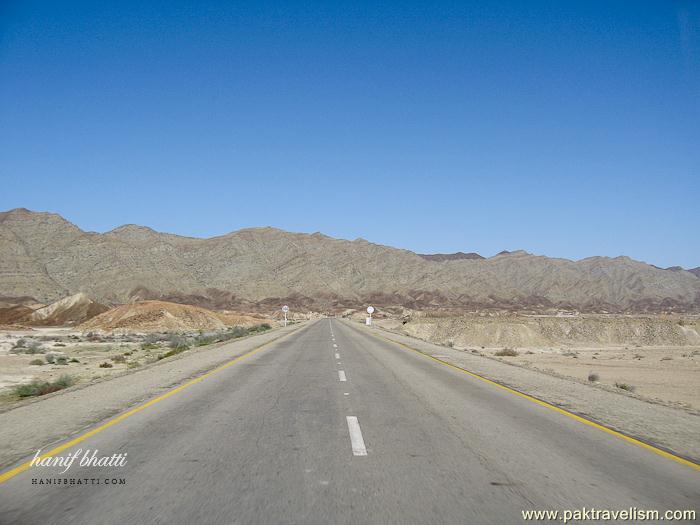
(668,428)
(45,422)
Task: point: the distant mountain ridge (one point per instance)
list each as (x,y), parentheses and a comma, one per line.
(45,257)
(440,257)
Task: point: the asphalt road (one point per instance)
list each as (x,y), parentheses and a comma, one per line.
(331,425)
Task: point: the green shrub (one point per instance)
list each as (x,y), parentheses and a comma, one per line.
(177,341)
(625,386)
(154,338)
(506,352)
(203,340)
(593,377)
(93,337)
(61,360)
(231,333)
(172,352)
(237,331)
(40,388)
(36,362)
(106,364)
(22,346)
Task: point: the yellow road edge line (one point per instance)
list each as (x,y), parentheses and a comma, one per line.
(607,430)
(25,466)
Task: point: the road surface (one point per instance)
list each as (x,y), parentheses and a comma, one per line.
(333,425)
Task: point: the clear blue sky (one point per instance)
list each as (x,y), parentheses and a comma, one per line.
(563,128)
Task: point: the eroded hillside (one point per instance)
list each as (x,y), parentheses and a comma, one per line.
(45,257)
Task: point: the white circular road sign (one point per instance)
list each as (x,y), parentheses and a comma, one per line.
(370,310)
(285,308)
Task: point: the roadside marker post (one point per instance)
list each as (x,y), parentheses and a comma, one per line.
(285,309)
(370,311)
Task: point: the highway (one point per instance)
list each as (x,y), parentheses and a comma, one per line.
(334,425)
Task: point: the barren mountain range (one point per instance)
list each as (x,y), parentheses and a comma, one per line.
(44,257)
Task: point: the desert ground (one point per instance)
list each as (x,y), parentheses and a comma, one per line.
(35,359)
(47,354)
(655,357)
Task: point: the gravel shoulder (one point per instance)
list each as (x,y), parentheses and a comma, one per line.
(669,428)
(53,418)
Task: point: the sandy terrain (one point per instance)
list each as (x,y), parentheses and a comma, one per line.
(89,352)
(663,374)
(655,357)
(125,337)
(85,356)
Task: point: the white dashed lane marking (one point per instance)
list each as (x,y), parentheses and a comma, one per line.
(356,440)
(341,375)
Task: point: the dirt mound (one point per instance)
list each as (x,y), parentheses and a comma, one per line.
(14,314)
(67,311)
(155,316)
(70,310)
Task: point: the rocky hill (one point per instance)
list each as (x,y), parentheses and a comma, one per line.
(164,316)
(70,310)
(45,257)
